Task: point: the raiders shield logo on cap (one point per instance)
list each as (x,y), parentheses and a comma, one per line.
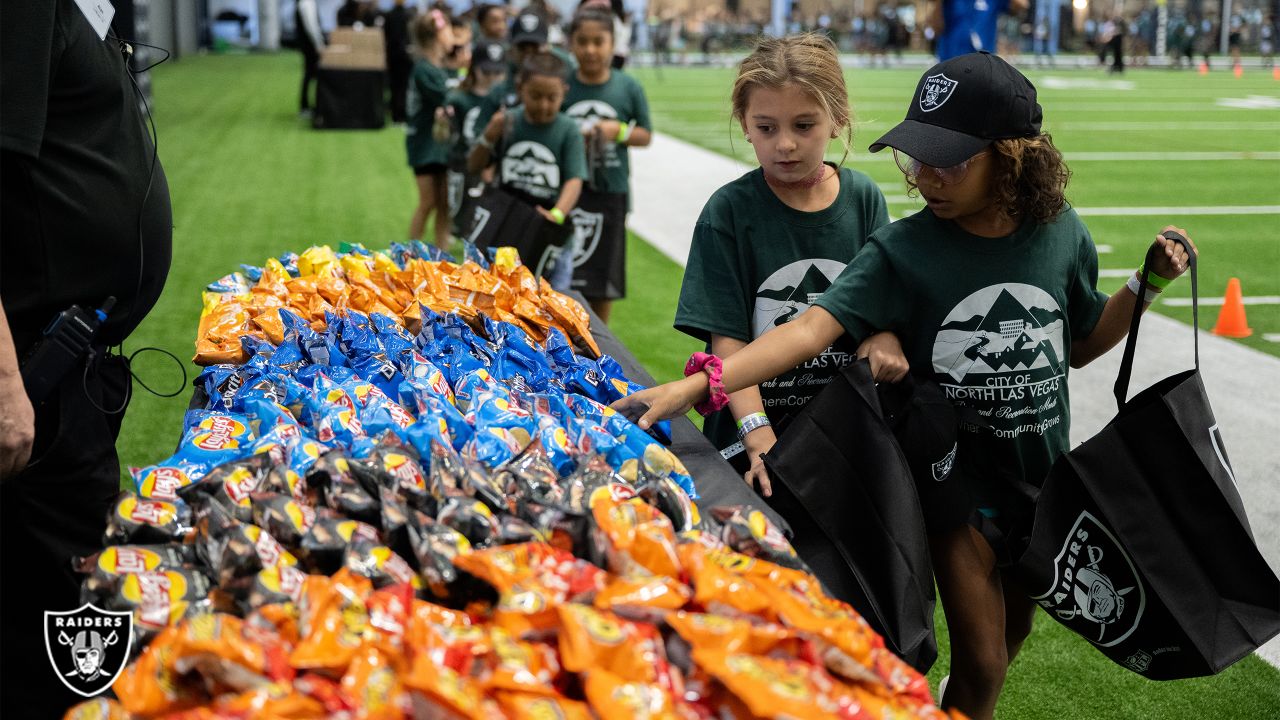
(529,22)
(88,646)
(495,52)
(936,91)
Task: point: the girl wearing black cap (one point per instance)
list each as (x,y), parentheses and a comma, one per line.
(992,287)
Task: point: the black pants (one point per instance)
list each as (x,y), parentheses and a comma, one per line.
(398,77)
(1116,47)
(310,68)
(56,509)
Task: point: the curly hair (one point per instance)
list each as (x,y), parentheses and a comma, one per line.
(1029,178)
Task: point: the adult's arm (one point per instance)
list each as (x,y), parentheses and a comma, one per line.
(17,417)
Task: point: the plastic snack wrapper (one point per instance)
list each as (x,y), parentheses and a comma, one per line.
(135,519)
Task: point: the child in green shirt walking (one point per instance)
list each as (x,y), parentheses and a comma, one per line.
(992,289)
(425,143)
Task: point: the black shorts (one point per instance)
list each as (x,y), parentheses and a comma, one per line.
(433,169)
(600,239)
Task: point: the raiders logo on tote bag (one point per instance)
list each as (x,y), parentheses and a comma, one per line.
(1141,544)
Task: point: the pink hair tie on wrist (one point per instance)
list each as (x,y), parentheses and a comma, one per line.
(710,364)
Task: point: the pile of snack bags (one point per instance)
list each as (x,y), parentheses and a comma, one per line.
(406,496)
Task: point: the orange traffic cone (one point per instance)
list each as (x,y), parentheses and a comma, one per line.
(1275,72)
(1204,68)
(1231,319)
(1238,71)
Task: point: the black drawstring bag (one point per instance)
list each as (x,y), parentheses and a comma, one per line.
(844,486)
(1140,542)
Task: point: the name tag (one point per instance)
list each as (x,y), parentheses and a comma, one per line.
(99,14)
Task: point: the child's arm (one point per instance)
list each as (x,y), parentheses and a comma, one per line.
(1113,325)
(742,403)
(568,200)
(637,136)
(482,153)
(768,356)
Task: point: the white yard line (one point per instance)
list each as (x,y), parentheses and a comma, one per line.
(1176,210)
(1195,156)
(1248,300)
(1104,249)
(1109,273)
(1271,337)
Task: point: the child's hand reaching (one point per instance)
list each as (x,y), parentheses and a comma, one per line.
(1172,262)
(888,363)
(662,402)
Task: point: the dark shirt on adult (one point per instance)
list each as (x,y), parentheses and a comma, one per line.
(85,205)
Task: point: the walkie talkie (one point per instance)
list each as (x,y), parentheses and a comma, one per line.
(64,343)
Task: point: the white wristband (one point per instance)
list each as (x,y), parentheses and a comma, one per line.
(754,421)
(1134,286)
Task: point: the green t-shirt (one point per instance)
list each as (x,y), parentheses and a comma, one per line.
(619,98)
(993,318)
(466,110)
(537,160)
(756,263)
(426,93)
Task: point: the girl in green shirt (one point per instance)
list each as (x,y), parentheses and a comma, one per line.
(428,154)
(991,289)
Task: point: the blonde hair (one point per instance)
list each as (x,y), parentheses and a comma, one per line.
(808,60)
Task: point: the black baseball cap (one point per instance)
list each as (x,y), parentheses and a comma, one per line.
(528,27)
(489,56)
(960,106)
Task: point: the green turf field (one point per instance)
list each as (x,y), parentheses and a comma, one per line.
(250,180)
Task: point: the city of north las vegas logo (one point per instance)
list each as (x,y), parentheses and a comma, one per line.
(88,647)
(1096,590)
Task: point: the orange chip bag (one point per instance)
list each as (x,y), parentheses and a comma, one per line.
(732,635)
(519,666)
(641,539)
(527,610)
(652,593)
(803,606)
(372,686)
(525,706)
(594,639)
(439,691)
(227,653)
(506,566)
(613,698)
(332,620)
(97,709)
(772,688)
(277,702)
(150,685)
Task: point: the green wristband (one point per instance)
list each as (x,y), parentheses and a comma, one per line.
(743,419)
(1154,280)
(624,133)
(557,215)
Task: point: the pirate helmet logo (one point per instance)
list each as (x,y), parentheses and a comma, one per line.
(1096,589)
(936,91)
(88,647)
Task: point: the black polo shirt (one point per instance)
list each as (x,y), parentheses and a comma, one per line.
(77,222)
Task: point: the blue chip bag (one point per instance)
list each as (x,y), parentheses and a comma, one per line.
(233,283)
(471,253)
(252,272)
(493,446)
(421,371)
(290,262)
(429,404)
(474,383)
(555,440)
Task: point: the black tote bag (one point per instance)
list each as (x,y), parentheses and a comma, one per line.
(844,486)
(1140,542)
